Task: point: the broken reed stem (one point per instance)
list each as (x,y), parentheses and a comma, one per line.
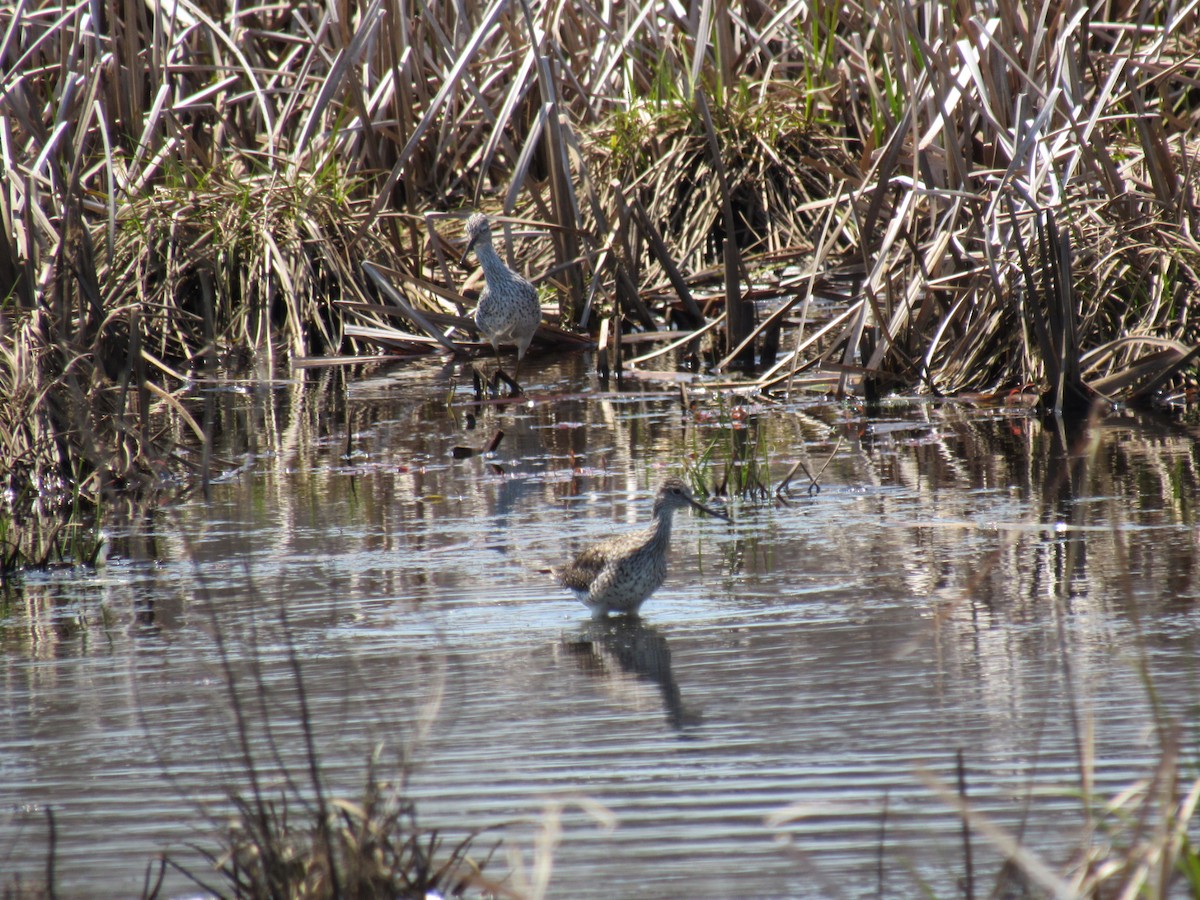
(737,313)
(814,486)
(686,337)
(968,862)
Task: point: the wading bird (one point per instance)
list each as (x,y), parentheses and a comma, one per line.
(508,310)
(618,574)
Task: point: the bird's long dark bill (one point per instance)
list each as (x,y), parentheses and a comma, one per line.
(463,262)
(710,511)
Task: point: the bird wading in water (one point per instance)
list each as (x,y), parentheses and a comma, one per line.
(617,574)
(508,311)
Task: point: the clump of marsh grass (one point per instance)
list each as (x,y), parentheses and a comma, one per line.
(370,848)
(778,166)
(733,461)
(232,259)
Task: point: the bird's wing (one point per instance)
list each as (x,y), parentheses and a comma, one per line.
(583,571)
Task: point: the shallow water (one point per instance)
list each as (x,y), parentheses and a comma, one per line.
(769,727)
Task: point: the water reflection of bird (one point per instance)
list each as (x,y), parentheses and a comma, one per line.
(508,310)
(619,573)
(614,649)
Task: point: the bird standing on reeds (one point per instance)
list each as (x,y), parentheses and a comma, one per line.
(508,310)
(618,574)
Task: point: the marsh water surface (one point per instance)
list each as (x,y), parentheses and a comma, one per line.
(964,580)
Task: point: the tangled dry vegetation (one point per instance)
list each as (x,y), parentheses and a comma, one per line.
(185,182)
